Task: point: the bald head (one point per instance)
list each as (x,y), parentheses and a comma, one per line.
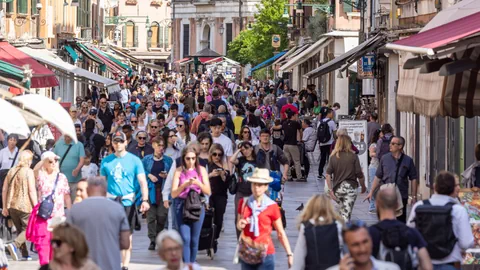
(387,199)
(221,109)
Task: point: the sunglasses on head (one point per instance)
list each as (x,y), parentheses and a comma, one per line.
(354,225)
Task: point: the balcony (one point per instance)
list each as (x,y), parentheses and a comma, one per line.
(156,3)
(203,2)
(131,2)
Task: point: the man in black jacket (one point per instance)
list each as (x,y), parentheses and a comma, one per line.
(105,114)
(141,148)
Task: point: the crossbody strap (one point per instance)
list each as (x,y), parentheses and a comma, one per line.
(65,155)
(14,158)
(13,177)
(399,164)
(55,186)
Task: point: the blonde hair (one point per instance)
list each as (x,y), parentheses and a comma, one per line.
(24,158)
(320,209)
(342,144)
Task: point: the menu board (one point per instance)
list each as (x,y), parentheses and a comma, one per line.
(470,199)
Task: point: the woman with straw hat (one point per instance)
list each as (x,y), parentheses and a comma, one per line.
(257,215)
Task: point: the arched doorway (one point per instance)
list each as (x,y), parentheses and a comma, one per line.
(206,37)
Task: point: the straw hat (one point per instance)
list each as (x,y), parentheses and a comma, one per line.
(261,176)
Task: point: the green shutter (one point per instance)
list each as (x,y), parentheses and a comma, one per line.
(135,34)
(347,6)
(149,40)
(124,36)
(167,32)
(22,6)
(33,7)
(10,7)
(160,36)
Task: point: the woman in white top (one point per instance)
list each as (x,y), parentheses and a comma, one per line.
(317,218)
(141,115)
(184,132)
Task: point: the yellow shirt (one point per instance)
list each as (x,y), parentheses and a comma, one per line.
(237,122)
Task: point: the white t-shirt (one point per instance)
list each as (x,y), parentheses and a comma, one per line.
(226,143)
(6,158)
(89,170)
(124,95)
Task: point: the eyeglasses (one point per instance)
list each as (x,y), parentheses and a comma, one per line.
(190,158)
(84,107)
(217,154)
(56,243)
(172,250)
(103,102)
(142,138)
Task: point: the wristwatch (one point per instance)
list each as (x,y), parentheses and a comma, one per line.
(290,255)
(144,201)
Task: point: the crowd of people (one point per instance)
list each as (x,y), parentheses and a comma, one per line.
(169,149)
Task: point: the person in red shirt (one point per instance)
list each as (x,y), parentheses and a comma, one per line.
(257,215)
(290,106)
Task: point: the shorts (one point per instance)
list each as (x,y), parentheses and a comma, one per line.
(132,216)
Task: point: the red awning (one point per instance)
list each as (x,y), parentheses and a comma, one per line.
(41,76)
(443,34)
(203,60)
(182,60)
(214,60)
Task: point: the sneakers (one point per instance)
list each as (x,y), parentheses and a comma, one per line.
(28,258)
(124,268)
(373,211)
(13,251)
(303,179)
(152,246)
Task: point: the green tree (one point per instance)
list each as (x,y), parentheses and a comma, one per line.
(317,25)
(255,45)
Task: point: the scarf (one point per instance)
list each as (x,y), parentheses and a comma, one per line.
(256,210)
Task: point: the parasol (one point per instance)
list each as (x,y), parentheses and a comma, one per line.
(13,121)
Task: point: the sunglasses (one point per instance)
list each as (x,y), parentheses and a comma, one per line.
(102,102)
(216,154)
(118,141)
(134,121)
(354,225)
(56,242)
(53,161)
(190,158)
(154,126)
(180,126)
(394,143)
(142,138)
(246,132)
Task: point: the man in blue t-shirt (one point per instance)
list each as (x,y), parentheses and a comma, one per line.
(121,170)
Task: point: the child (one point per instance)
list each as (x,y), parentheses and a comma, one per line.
(277,134)
(89,168)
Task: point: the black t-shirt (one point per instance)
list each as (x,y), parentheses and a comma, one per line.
(415,239)
(157,168)
(219,187)
(290,129)
(244,170)
(217,103)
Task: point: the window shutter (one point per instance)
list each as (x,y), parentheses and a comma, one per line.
(160,36)
(33,7)
(22,7)
(347,7)
(167,36)
(149,41)
(135,34)
(124,36)
(10,7)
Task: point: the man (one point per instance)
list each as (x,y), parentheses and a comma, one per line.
(397,168)
(92,114)
(158,107)
(157,165)
(222,111)
(105,114)
(446,188)
(154,130)
(372,126)
(201,120)
(218,137)
(324,109)
(383,234)
(190,102)
(216,100)
(121,170)
(170,121)
(141,148)
(104,224)
(135,128)
(128,130)
(125,95)
(78,132)
(78,102)
(359,245)
(335,108)
(290,106)
(225,130)
(9,154)
(325,146)
(282,101)
(270,156)
(93,141)
(72,156)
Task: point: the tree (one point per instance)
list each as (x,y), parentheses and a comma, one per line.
(255,45)
(317,25)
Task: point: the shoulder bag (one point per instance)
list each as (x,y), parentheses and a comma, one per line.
(46,206)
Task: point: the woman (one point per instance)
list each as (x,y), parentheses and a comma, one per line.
(257,215)
(128,114)
(117,107)
(245,166)
(70,250)
(120,122)
(205,141)
(174,146)
(245,136)
(218,174)
(189,178)
(83,115)
(107,149)
(320,226)
(73,115)
(141,115)
(292,129)
(170,245)
(372,168)
(19,196)
(183,132)
(200,94)
(49,181)
(345,167)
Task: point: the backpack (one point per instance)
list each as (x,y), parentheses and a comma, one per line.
(323,132)
(384,147)
(323,246)
(394,247)
(192,207)
(434,222)
(203,126)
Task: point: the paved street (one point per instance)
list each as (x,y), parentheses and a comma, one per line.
(295,193)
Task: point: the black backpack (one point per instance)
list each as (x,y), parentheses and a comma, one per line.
(323,246)
(434,222)
(204,126)
(323,132)
(394,247)
(384,147)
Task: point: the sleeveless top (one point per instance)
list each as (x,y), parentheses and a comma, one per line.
(185,176)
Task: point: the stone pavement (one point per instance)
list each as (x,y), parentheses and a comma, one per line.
(295,194)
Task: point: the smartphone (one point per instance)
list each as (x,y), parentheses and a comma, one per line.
(164,172)
(345,250)
(219,169)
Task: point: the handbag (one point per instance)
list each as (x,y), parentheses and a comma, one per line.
(46,206)
(233,185)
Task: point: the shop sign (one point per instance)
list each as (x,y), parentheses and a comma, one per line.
(357,130)
(276,41)
(366,65)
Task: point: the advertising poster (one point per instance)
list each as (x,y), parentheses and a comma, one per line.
(357,130)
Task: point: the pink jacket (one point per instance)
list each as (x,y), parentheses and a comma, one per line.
(37,227)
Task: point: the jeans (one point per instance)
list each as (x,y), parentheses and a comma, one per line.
(268,264)
(190,232)
(444,267)
(371,176)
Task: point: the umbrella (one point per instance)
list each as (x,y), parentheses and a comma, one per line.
(50,111)
(13,121)
(460,10)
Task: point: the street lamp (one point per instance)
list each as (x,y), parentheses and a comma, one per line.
(290,24)
(249,27)
(299,7)
(150,32)
(285,13)
(221,29)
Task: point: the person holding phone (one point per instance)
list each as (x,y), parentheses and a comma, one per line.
(156,167)
(219,175)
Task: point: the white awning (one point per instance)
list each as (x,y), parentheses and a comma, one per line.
(55,62)
(306,54)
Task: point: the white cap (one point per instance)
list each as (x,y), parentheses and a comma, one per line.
(49,154)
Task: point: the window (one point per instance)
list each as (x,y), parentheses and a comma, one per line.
(130,34)
(22,6)
(166,37)
(33,7)
(154,39)
(161,36)
(186,40)
(10,7)
(229,33)
(83,13)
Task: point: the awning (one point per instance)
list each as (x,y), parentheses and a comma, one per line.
(431,41)
(125,53)
(114,66)
(153,66)
(307,54)
(78,74)
(268,61)
(42,77)
(10,71)
(73,54)
(114,60)
(204,60)
(153,56)
(349,57)
(182,60)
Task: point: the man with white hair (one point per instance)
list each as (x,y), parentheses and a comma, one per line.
(170,246)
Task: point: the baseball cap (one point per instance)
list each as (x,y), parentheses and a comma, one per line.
(119,135)
(93,111)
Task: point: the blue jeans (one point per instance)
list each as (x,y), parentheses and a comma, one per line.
(444,267)
(371,177)
(268,264)
(190,232)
